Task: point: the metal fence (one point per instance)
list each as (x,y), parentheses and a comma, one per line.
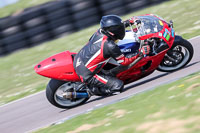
(53,19)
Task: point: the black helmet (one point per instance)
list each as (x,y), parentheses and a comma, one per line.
(113,26)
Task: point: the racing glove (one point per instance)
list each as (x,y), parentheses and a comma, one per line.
(132,21)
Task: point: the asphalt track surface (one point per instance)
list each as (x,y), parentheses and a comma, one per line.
(33,112)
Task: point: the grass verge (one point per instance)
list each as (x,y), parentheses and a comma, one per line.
(17,76)
(19,6)
(174,107)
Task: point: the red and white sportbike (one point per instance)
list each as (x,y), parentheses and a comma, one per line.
(169,53)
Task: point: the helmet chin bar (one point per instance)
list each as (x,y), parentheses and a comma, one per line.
(108,34)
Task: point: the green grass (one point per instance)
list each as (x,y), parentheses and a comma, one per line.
(17,76)
(170,108)
(19,6)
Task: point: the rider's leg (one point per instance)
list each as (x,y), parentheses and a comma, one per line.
(105,85)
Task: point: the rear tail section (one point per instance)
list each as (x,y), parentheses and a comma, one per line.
(59,66)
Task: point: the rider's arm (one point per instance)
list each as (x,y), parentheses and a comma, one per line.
(126,61)
(114,52)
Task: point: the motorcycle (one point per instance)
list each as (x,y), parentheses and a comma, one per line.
(170,52)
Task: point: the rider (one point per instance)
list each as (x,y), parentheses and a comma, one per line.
(100,48)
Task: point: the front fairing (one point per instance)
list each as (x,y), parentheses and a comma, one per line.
(153,26)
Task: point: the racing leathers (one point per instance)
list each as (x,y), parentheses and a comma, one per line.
(93,56)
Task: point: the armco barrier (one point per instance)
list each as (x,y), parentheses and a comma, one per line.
(109,7)
(53,19)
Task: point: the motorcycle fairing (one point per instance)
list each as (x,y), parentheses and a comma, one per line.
(159,28)
(59,66)
(136,72)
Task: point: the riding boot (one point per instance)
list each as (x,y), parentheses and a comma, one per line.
(95,91)
(100,91)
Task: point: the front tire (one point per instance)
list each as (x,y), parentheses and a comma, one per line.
(178,56)
(54,91)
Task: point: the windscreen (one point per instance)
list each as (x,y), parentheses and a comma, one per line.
(149,24)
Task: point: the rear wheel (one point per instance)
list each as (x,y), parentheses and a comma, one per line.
(178,56)
(54,93)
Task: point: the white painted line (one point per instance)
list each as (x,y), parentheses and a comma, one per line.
(24,98)
(89,110)
(99,105)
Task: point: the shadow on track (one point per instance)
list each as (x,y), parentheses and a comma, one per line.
(194,63)
(146,81)
(158,76)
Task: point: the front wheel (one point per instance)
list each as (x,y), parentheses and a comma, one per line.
(178,56)
(54,94)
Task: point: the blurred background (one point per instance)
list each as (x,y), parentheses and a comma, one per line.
(7,2)
(33,30)
(25,23)
(60,25)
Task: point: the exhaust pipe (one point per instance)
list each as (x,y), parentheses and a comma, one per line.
(74,95)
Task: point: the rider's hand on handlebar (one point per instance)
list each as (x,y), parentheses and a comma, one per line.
(135,21)
(127,23)
(132,21)
(145,50)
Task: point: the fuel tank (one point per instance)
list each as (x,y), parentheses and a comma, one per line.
(129,45)
(59,66)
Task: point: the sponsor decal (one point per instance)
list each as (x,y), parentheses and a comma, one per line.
(160,34)
(125,50)
(166,35)
(161,23)
(172,32)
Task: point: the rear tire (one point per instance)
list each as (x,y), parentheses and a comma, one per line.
(51,93)
(185,52)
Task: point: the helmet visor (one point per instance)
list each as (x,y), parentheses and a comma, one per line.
(118,31)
